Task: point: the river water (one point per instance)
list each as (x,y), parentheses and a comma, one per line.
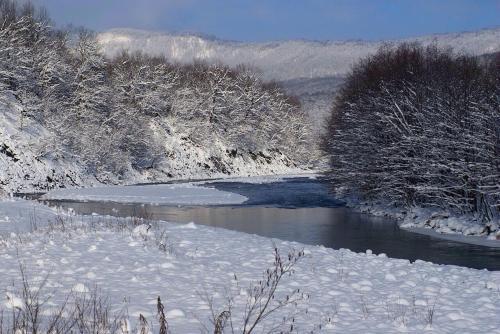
(301,209)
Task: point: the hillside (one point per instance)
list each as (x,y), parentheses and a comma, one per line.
(311,70)
(283,60)
(71,117)
(31,159)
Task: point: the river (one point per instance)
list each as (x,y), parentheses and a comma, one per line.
(301,209)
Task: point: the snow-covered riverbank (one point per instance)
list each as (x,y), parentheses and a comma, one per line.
(181,193)
(345,292)
(436,223)
(166,194)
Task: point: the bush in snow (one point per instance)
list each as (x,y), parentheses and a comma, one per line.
(419,127)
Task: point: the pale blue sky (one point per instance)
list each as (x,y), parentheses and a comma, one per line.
(259,20)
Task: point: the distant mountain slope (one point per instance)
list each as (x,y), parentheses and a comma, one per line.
(284,60)
(316,96)
(310,70)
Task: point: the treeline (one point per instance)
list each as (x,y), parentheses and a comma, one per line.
(113,115)
(418,126)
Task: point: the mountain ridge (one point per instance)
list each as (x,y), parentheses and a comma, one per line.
(281,60)
(214,38)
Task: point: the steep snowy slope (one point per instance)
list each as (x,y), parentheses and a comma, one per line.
(27,161)
(282,60)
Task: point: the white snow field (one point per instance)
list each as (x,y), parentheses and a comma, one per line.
(19,215)
(344,292)
(166,194)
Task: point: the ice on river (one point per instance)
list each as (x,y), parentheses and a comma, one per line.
(166,194)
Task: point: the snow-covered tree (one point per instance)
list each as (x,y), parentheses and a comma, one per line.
(114,116)
(419,126)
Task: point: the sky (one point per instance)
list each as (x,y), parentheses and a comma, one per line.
(264,20)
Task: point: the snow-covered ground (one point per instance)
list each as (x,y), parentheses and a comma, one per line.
(166,194)
(20,216)
(344,292)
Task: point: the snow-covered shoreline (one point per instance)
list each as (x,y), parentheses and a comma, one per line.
(347,292)
(467,239)
(436,223)
(166,194)
(439,224)
(26,167)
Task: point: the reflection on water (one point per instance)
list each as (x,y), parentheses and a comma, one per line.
(335,227)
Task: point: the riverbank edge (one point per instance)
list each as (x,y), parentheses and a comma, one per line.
(435,223)
(195,180)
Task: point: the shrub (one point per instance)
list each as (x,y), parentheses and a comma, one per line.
(419,126)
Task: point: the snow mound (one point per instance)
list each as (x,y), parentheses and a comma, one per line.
(80,288)
(13,302)
(142,231)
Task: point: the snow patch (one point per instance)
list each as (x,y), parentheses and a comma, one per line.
(165,194)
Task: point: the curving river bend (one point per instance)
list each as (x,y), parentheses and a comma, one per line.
(301,209)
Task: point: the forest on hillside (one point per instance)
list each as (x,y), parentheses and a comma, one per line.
(114,115)
(419,126)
